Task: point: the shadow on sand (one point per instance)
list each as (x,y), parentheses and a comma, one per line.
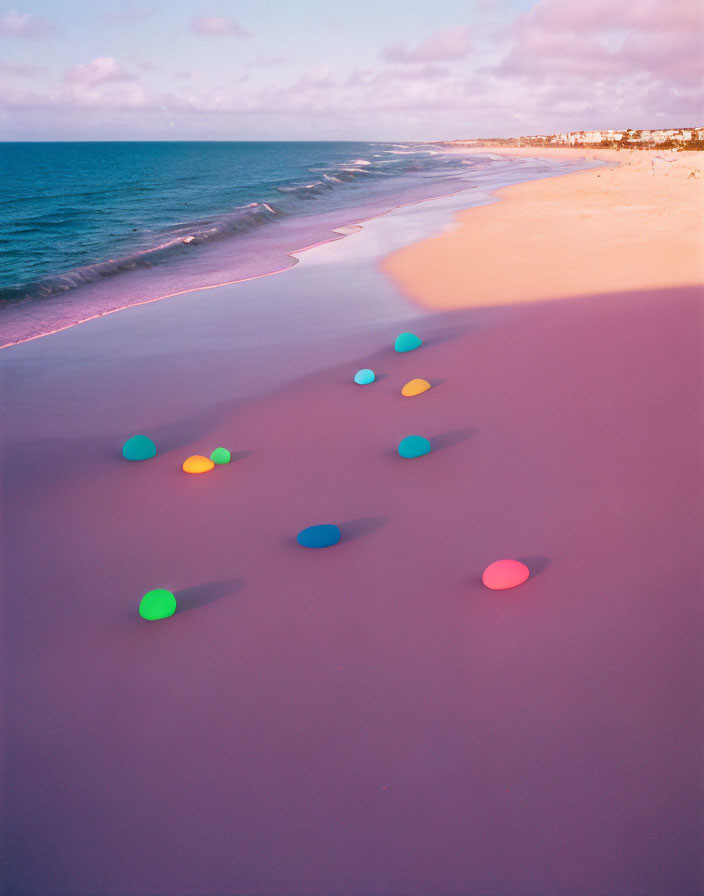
(202,595)
(452,437)
(354,529)
(535,564)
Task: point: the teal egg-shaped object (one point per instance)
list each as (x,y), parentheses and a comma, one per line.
(319,536)
(157,604)
(413,446)
(406,342)
(364,376)
(138,448)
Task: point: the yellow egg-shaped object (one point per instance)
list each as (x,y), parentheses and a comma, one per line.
(415,387)
(197,464)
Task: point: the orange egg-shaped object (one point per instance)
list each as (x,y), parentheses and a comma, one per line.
(415,387)
(197,464)
(505,574)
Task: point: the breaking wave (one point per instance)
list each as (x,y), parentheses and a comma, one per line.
(332,186)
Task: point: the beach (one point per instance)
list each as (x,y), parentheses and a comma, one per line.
(636,224)
(368,718)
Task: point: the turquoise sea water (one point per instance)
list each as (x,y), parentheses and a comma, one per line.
(90,228)
(74,212)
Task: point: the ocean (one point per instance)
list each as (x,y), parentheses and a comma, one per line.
(86,228)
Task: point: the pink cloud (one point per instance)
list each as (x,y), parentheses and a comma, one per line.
(215,26)
(101,70)
(12,98)
(21,24)
(566,65)
(603,39)
(108,95)
(21,69)
(450,43)
(602,15)
(361,77)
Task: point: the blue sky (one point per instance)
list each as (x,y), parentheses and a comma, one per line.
(363,70)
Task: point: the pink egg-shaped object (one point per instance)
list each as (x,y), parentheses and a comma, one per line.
(505,574)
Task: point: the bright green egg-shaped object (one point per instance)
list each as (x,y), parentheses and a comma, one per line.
(157,604)
(364,376)
(413,446)
(138,448)
(220,456)
(406,342)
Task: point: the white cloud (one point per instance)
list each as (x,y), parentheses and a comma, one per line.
(442,46)
(215,26)
(21,24)
(100,70)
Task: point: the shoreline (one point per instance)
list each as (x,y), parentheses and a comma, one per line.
(335,233)
(645,230)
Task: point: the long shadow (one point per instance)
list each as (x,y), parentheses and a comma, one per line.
(202,595)
(354,529)
(351,530)
(443,334)
(239,455)
(452,437)
(96,452)
(178,433)
(536,564)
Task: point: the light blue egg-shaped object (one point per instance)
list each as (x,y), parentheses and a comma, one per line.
(406,342)
(413,446)
(138,448)
(364,376)
(319,536)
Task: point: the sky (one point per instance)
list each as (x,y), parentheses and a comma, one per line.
(354,70)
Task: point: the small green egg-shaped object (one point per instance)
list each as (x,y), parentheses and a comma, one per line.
(157,604)
(138,448)
(220,456)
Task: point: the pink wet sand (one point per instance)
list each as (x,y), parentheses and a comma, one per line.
(369,719)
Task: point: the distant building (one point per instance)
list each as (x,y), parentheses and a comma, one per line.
(635,139)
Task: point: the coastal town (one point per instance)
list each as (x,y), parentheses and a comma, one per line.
(666,138)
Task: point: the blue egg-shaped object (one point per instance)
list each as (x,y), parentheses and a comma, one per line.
(413,446)
(319,536)
(364,376)
(138,448)
(406,342)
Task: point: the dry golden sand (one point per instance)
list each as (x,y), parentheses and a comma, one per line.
(626,227)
